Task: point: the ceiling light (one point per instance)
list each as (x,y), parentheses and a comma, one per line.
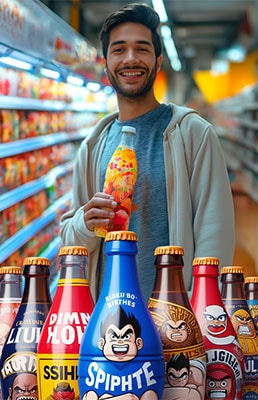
(159,7)
(49,73)
(75,80)
(12,62)
(170,48)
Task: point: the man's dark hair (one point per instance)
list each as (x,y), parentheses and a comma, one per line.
(134,12)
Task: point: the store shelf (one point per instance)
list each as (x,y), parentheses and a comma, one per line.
(25,145)
(16,241)
(21,103)
(29,189)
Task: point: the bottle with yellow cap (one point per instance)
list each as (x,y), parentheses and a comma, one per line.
(10,298)
(183,346)
(251,293)
(121,351)
(225,360)
(233,295)
(18,369)
(60,339)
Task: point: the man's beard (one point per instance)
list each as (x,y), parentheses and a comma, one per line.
(137,93)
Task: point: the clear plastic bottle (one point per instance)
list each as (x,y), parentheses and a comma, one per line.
(60,339)
(232,290)
(121,351)
(225,359)
(120,179)
(183,346)
(18,362)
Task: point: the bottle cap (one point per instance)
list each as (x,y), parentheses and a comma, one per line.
(121,235)
(73,250)
(169,250)
(129,129)
(232,270)
(36,261)
(8,269)
(251,279)
(206,261)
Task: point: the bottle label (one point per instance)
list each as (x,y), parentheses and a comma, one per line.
(121,353)
(58,376)
(253,307)
(183,350)
(247,336)
(18,362)
(8,312)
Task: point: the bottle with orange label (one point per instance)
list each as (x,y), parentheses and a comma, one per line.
(120,179)
(183,346)
(60,339)
(233,295)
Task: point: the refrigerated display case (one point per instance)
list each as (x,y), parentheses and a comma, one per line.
(42,124)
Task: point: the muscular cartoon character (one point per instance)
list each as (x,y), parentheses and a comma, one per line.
(185,381)
(120,342)
(24,387)
(63,391)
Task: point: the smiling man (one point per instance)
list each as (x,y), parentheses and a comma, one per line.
(182,193)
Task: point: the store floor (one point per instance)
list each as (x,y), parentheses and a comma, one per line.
(246,226)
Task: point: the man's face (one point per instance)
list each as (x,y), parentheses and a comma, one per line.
(131,63)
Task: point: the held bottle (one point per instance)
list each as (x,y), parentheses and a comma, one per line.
(59,343)
(225,360)
(18,362)
(183,346)
(251,294)
(121,351)
(232,290)
(120,179)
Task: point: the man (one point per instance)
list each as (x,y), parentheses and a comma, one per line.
(182,192)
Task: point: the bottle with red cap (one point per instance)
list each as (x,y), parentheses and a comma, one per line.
(251,293)
(183,346)
(18,368)
(225,360)
(233,295)
(60,339)
(121,353)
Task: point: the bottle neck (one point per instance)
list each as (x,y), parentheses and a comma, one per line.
(205,286)
(232,286)
(10,286)
(121,270)
(127,140)
(36,289)
(73,267)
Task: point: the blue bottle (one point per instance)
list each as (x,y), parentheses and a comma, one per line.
(121,350)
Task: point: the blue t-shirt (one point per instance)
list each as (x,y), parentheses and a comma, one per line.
(150,220)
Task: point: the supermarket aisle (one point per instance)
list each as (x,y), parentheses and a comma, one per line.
(246,221)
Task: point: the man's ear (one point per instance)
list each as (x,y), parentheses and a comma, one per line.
(103,62)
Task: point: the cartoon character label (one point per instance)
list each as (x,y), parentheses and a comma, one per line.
(118,369)
(183,350)
(8,312)
(224,356)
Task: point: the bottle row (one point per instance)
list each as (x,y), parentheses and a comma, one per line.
(171,348)
(22,124)
(14,218)
(23,168)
